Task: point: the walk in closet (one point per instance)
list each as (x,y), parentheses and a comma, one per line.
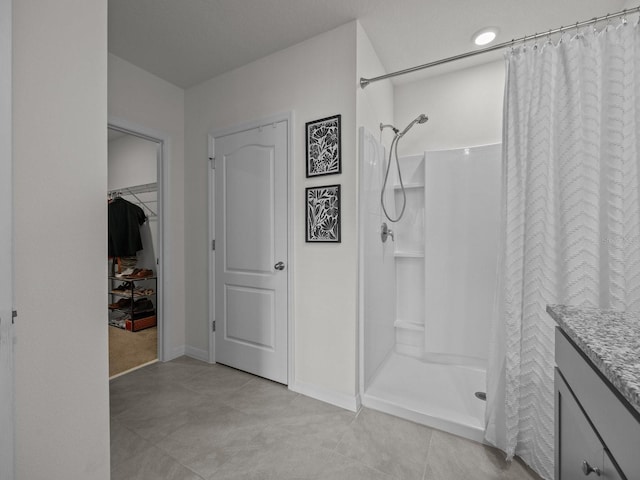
(133,251)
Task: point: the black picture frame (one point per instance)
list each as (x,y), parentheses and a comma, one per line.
(323,222)
(323,142)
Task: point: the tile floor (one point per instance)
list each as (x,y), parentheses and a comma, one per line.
(187,420)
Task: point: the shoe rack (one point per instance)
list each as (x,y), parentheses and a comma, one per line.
(133,300)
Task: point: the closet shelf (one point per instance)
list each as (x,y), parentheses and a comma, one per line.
(135,295)
(132,320)
(125,279)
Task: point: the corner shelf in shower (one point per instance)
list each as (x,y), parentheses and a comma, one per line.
(405,254)
(419,327)
(409,185)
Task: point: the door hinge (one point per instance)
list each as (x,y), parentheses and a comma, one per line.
(213,244)
(14,314)
(213,326)
(213,162)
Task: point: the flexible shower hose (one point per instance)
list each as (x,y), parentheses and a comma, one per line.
(393,151)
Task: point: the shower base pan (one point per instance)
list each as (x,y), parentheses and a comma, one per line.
(436,395)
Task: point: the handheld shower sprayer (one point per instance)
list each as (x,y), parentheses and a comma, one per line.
(422,118)
(393,150)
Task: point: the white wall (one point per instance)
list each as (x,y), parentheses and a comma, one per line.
(313,79)
(462,202)
(377,264)
(6,250)
(464,109)
(60,182)
(375,103)
(132,161)
(143,99)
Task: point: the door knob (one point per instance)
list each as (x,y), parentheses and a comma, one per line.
(588,469)
(279,266)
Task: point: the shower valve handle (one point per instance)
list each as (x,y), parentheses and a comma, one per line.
(386,232)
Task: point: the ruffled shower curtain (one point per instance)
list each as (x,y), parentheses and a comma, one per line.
(570,217)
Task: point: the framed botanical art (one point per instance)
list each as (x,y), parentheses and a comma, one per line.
(323,214)
(323,147)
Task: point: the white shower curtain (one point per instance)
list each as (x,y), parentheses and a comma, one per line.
(570,217)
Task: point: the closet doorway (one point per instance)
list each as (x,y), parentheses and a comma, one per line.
(134,303)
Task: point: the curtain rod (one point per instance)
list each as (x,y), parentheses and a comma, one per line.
(366,81)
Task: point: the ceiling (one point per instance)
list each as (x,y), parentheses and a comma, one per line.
(189,41)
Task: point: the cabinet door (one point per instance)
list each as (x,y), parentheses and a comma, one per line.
(576,442)
(609,471)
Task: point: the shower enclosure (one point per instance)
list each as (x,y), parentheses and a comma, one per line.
(426,293)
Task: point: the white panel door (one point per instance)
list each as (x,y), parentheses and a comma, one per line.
(251,250)
(6,259)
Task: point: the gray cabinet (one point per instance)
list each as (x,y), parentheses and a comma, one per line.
(579,451)
(597,435)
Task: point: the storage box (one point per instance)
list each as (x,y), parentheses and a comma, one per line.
(140,323)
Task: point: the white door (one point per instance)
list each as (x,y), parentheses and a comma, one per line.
(6,242)
(251,250)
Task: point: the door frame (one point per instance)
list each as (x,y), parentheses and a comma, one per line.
(263,122)
(163,142)
(7,327)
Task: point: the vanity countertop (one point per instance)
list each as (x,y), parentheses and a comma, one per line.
(610,339)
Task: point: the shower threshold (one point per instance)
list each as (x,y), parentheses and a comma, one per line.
(436,395)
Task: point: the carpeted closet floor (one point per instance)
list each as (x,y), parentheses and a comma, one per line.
(130,349)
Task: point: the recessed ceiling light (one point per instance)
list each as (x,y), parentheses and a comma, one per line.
(485,36)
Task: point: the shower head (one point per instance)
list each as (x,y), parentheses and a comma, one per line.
(422,118)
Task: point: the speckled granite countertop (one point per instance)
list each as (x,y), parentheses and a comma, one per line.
(610,339)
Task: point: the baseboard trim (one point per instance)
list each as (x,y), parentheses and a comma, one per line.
(174,353)
(138,367)
(342,400)
(197,353)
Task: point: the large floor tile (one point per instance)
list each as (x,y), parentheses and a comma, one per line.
(161,411)
(389,444)
(218,382)
(152,464)
(317,423)
(124,443)
(261,397)
(188,420)
(206,442)
(452,458)
(289,460)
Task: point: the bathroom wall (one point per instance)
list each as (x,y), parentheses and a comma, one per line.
(377,267)
(462,200)
(314,79)
(464,109)
(6,247)
(60,215)
(132,161)
(142,99)
(462,222)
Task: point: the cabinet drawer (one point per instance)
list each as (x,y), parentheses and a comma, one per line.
(618,428)
(576,442)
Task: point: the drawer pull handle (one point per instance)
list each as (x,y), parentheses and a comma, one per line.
(588,469)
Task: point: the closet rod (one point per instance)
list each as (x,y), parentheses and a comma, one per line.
(366,81)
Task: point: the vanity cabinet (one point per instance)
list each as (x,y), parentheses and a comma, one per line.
(597,432)
(579,451)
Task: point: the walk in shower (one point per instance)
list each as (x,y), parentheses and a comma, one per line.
(427,291)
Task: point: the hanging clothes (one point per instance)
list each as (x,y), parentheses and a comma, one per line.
(125,219)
